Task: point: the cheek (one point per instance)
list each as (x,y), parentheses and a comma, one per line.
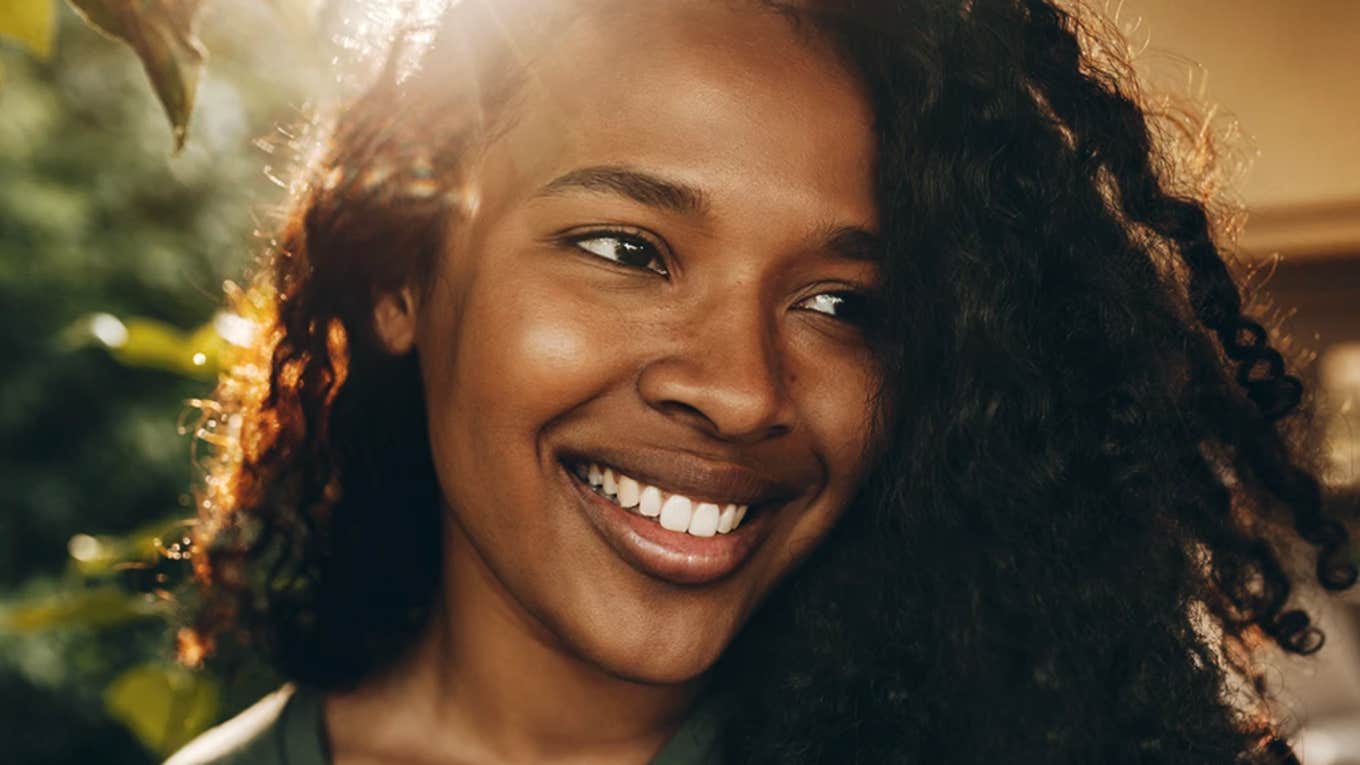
(525,358)
(531,354)
(521,352)
(831,400)
(834,402)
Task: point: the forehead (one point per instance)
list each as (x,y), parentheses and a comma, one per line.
(716,94)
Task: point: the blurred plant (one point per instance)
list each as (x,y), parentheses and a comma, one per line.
(160,32)
(112,261)
(30,23)
(165,705)
(152,344)
(162,704)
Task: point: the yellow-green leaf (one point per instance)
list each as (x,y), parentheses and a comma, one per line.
(91,609)
(31,23)
(164,705)
(98,555)
(148,343)
(161,33)
(156,344)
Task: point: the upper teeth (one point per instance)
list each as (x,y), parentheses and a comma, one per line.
(675,512)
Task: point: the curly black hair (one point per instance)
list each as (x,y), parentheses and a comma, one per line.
(1075,537)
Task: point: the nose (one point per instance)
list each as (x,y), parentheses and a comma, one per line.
(722,373)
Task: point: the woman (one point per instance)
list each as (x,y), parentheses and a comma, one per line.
(754,382)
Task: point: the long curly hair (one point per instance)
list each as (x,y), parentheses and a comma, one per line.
(1078,532)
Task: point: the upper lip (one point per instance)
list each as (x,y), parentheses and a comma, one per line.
(693,476)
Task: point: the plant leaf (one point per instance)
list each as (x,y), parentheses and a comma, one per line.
(161,33)
(150,344)
(93,556)
(155,344)
(31,23)
(165,706)
(91,609)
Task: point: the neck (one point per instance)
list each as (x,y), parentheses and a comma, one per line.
(489,682)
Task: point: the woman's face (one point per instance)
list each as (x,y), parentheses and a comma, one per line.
(658,278)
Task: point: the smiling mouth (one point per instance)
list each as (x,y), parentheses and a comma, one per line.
(675,516)
(673,511)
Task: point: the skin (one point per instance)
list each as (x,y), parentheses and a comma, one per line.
(549,646)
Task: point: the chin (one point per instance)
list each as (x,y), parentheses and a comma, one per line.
(654,659)
(656,669)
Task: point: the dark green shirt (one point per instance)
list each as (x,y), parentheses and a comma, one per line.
(286,728)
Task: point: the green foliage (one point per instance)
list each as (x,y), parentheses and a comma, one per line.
(90,609)
(151,344)
(161,33)
(29,23)
(98,224)
(94,557)
(163,704)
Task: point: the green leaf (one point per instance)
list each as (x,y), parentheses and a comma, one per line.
(161,33)
(164,705)
(94,556)
(148,343)
(91,609)
(156,344)
(31,23)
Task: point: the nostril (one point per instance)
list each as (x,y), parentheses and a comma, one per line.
(713,391)
(683,409)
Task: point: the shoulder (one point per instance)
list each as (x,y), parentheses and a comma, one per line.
(254,737)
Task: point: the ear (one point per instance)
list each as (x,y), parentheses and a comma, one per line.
(394,320)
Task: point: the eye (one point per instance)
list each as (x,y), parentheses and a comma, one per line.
(623,247)
(850,307)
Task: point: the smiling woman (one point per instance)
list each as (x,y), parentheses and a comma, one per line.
(753,382)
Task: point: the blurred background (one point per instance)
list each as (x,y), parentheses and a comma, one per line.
(114,249)
(1285,79)
(113,255)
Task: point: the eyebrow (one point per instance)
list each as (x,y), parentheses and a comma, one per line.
(848,242)
(639,186)
(853,243)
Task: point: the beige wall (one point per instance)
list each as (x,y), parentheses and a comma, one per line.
(1290,72)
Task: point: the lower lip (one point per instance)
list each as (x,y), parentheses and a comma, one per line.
(671,556)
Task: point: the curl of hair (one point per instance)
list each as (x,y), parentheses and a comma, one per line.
(1074,536)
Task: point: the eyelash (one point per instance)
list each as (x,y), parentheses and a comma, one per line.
(859,301)
(860,305)
(633,238)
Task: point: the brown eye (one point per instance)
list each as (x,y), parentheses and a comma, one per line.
(622,248)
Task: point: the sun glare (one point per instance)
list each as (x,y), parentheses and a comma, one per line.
(368,32)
